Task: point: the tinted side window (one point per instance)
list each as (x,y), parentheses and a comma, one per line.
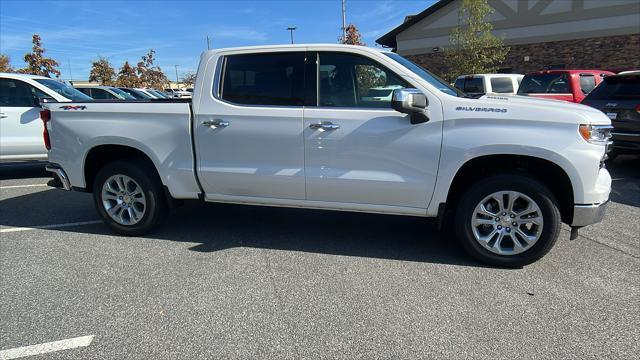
(617,88)
(264,79)
(474,85)
(348,80)
(587,83)
(459,84)
(15,93)
(85,91)
(501,85)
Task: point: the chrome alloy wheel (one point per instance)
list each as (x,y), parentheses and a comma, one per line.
(123,199)
(507,222)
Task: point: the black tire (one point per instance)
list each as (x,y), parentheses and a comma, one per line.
(508,182)
(145,175)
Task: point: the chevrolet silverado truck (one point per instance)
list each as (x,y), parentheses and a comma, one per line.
(295,126)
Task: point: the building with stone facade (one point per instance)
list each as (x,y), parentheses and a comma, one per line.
(541,34)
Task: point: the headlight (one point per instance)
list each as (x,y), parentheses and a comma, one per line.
(596,134)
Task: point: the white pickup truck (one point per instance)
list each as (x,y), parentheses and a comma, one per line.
(294,126)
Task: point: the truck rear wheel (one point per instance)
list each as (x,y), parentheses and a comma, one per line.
(129,197)
(507,220)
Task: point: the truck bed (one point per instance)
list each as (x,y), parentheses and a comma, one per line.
(161,129)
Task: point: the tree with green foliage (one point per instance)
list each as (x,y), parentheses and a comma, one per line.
(37,64)
(473,47)
(127,76)
(102,72)
(5,63)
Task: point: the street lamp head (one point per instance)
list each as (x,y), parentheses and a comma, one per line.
(290,28)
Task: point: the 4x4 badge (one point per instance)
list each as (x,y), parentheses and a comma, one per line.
(73,107)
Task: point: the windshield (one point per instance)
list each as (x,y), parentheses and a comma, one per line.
(64,90)
(617,87)
(121,94)
(554,83)
(425,75)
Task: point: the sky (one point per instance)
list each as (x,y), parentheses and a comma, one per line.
(75,33)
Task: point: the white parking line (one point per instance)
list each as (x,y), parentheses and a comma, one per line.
(44,348)
(21,186)
(53,226)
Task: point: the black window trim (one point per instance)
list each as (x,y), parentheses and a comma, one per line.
(221,67)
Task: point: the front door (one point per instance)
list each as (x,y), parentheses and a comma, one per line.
(358,149)
(20,124)
(249,128)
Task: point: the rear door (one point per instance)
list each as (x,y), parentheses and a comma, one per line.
(360,151)
(20,124)
(249,127)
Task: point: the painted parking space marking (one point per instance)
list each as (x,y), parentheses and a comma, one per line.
(44,348)
(21,186)
(9,229)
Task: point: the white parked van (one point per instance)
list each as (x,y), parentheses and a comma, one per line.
(489,83)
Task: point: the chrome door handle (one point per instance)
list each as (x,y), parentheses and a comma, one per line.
(3,115)
(325,126)
(216,123)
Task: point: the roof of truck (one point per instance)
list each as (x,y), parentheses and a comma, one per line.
(27,76)
(570,71)
(297,46)
(490,75)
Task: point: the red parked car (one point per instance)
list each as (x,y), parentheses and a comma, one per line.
(567,85)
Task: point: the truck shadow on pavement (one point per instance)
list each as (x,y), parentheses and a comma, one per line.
(217,227)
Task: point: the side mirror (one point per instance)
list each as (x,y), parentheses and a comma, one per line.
(412,102)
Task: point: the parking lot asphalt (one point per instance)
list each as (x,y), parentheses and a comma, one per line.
(227,281)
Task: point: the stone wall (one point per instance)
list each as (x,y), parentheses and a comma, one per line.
(607,53)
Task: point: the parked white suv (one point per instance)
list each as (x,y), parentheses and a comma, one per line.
(264,128)
(489,83)
(20,125)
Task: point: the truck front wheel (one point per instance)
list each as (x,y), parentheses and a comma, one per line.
(507,220)
(128,197)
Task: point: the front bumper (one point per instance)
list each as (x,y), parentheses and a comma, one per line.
(584,215)
(60,178)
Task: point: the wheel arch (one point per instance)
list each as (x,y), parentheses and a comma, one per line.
(100,155)
(549,173)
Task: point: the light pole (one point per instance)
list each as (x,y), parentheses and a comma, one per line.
(177,81)
(291,28)
(344,20)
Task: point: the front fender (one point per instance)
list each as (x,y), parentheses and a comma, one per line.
(464,141)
